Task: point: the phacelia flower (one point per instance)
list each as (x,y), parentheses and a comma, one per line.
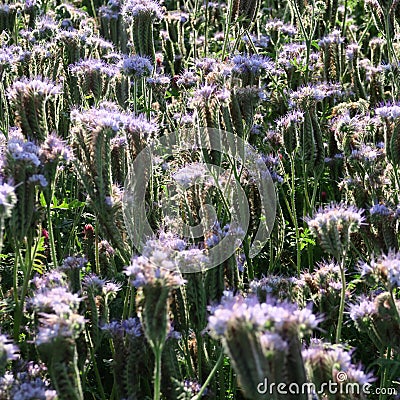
(136,66)
(333,225)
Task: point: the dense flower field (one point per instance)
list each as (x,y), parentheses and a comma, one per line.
(199,199)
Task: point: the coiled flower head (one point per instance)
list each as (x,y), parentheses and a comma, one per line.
(333,225)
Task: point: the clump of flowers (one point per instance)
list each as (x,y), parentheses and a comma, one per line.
(258,337)
(384,269)
(141,16)
(28,383)
(29,98)
(326,363)
(8,352)
(379,318)
(136,67)
(155,275)
(94,76)
(60,324)
(333,225)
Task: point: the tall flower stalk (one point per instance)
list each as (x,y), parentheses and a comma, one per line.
(155,277)
(332,225)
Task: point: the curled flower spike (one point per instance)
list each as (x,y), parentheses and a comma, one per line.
(136,8)
(153,271)
(29,97)
(8,351)
(325,361)
(385,268)
(141,15)
(8,199)
(333,225)
(136,66)
(262,339)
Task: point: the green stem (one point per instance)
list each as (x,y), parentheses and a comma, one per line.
(95,367)
(293,206)
(342,298)
(17,316)
(157,371)
(53,252)
(96,248)
(206,30)
(227,28)
(208,380)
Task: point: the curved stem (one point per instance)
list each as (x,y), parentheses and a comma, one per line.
(342,298)
(208,380)
(227,28)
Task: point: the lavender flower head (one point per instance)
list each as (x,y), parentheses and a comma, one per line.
(380,210)
(8,350)
(56,326)
(139,126)
(38,180)
(323,361)
(361,310)
(136,66)
(187,79)
(88,66)
(189,175)
(333,37)
(55,149)
(271,316)
(26,88)
(254,65)
(19,149)
(158,270)
(73,262)
(137,8)
(130,327)
(111,10)
(311,94)
(385,268)
(388,111)
(58,300)
(333,225)
(367,154)
(8,199)
(291,119)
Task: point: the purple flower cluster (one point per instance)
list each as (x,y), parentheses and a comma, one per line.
(136,8)
(158,270)
(107,116)
(136,66)
(312,93)
(26,88)
(254,65)
(8,199)
(8,350)
(325,361)
(111,10)
(131,327)
(388,111)
(22,150)
(335,216)
(57,309)
(270,316)
(89,66)
(55,149)
(385,267)
(363,308)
